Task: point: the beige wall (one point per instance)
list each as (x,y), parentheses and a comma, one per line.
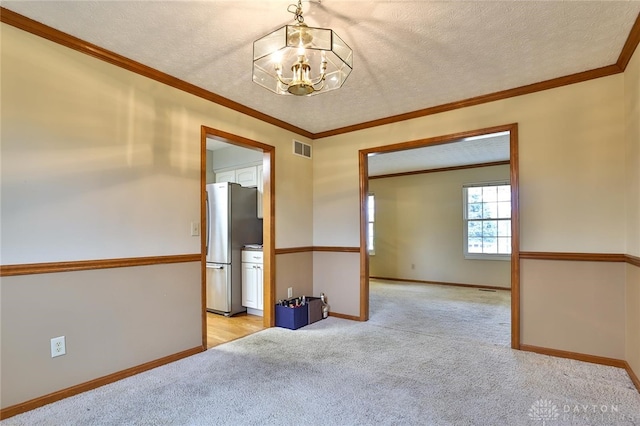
(419,229)
(294,270)
(571,155)
(334,274)
(294,197)
(85,139)
(572,187)
(632,135)
(574,306)
(112,319)
(632,298)
(632,154)
(98,162)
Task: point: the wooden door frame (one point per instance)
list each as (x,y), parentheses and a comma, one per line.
(515,213)
(268,225)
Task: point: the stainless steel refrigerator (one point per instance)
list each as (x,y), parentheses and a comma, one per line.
(232,222)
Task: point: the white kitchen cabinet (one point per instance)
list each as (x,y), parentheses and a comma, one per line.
(247,176)
(228,176)
(252,281)
(259,185)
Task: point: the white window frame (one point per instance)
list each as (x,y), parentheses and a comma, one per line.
(371,220)
(465,227)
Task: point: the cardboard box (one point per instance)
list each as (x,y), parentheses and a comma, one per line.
(315,309)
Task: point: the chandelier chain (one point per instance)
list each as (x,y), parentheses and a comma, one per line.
(297,12)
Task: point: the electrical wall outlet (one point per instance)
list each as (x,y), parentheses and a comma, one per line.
(195,229)
(58,346)
(290,292)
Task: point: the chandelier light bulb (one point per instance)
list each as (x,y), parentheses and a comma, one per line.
(276,57)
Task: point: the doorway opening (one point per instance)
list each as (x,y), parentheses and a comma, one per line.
(217,328)
(473,145)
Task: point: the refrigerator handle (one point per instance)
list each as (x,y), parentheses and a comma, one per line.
(208,225)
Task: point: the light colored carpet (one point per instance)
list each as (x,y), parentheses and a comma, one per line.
(392,370)
(482,316)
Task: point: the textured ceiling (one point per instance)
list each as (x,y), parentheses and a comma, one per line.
(408,55)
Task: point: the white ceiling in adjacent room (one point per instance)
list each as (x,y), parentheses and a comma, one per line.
(469,151)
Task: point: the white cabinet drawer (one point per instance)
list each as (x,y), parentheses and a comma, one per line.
(252,256)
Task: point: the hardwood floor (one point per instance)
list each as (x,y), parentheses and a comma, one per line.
(221,329)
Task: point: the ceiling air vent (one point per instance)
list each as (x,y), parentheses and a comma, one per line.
(301,149)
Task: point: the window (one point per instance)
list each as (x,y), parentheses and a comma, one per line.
(487,221)
(371,214)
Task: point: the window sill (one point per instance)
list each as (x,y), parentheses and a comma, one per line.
(503,257)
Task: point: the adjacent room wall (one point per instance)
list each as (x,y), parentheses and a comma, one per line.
(232,157)
(100,163)
(419,229)
(572,195)
(632,137)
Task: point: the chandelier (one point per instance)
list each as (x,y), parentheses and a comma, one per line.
(318,60)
